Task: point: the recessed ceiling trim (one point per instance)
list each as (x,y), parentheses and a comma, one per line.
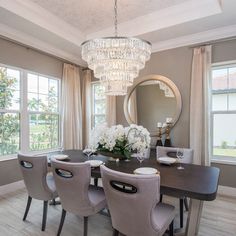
(202,37)
(164,18)
(33,42)
(43,18)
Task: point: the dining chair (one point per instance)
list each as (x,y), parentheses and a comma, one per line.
(187,158)
(39,184)
(133,202)
(76,194)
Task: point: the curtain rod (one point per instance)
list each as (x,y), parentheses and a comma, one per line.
(38,50)
(212,42)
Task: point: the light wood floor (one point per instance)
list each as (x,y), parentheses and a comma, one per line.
(218,219)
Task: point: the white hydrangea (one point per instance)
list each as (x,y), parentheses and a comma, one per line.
(137,136)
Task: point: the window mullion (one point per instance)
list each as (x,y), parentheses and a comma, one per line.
(24,114)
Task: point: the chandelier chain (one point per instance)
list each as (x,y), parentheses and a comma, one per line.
(115,18)
(116,61)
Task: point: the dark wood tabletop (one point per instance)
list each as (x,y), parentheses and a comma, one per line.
(194,181)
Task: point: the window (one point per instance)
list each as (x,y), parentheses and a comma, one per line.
(98,104)
(223,113)
(9,110)
(29,111)
(43,112)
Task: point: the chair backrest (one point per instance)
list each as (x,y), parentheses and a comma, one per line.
(34,171)
(72,183)
(171,152)
(131,200)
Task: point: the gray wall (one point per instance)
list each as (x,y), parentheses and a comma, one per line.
(26,58)
(19,56)
(176,65)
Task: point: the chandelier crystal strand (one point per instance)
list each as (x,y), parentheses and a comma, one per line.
(116,61)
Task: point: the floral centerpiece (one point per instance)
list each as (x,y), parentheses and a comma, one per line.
(120,142)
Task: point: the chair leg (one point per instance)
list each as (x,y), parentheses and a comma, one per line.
(27,207)
(115,232)
(85,226)
(186,203)
(54,201)
(96,182)
(45,210)
(63,215)
(181,212)
(171,229)
(161,197)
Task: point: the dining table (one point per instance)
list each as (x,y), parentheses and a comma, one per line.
(196,182)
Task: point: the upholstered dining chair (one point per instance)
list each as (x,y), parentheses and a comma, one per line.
(76,194)
(39,184)
(133,201)
(188,158)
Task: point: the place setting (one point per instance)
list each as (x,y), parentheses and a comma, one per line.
(172,158)
(90,152)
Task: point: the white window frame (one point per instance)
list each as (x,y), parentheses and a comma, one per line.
(49,113)
(218,158)
(93,115)
(24,113)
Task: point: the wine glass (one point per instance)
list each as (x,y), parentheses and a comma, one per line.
(61,149)
(140,157)
(180,155)
(89,150)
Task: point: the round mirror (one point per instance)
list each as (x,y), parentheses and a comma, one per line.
(151,100)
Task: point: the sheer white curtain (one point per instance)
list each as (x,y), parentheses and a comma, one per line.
(200,104)
(132,107)
(71,108)
(86,105)
(111,110)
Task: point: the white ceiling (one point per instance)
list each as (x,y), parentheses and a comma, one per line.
(59,27)
(93,15)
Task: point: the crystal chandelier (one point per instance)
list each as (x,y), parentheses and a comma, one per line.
(116,61)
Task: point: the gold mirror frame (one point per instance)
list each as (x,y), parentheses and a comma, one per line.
(165,80)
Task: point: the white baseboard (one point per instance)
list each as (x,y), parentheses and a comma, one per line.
(227,191)
(8,188)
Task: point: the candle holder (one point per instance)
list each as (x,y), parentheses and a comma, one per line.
(159,137)
(167,140)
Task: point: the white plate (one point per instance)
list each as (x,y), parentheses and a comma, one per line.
(94,163)
(60,157)
(166,160)
(146,171)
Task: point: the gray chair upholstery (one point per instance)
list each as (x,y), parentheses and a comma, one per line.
(188,159)
(39,184)
(133,201)
(74,189)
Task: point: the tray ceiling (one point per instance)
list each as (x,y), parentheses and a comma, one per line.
(93,15)
(58,27)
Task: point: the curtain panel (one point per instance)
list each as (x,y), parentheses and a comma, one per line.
(200,105)
(71,108)
(111,110)
(86,105)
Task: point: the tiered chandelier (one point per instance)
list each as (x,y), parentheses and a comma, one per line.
(116,61)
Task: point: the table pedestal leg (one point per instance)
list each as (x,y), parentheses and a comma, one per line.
(194,217)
